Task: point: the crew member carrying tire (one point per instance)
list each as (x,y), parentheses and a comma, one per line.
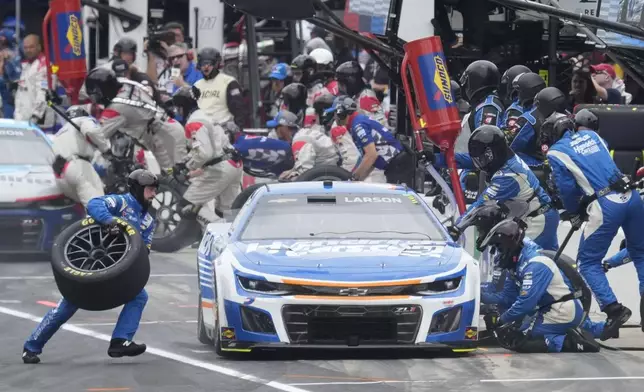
(310,147)
(213,172)
(219,95)
(383,157)
(133,208)
(131,109)
(74,150)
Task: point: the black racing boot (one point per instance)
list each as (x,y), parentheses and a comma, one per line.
(125,348)
(30,357)
(579,341)
(618,315)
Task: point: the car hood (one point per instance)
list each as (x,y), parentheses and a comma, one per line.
(26,182)
(368,260)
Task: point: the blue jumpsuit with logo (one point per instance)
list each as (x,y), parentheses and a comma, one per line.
(510,117)
(366,131)
(582,166)
(538,282)
(265,153)
(515,182)
(104,210)
(525,141)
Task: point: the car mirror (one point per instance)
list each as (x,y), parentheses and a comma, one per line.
(275,9)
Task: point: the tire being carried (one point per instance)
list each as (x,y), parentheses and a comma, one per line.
(325,172)
(96,270)
(172,233)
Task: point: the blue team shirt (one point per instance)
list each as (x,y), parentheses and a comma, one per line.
(265,153)
(366,131)
(105,209)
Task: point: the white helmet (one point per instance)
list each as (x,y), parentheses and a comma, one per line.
(322,56)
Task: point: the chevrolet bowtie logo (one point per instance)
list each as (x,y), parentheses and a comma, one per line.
(353,292)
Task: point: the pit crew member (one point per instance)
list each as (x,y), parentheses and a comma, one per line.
(294,100)
(351,83)
(325,69)
(132,110)
(133,207)
(75,150)
(509,96)
(213,172)
(383,158)
(219,95)
(511,183)
(341,138)
(537,283)
(310,146)
(591,186)
(304,68)
(523,135)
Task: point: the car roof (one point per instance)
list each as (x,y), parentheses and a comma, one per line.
(7,123)
(291,188)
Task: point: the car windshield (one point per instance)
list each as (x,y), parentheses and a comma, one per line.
(24,147)
(341,216)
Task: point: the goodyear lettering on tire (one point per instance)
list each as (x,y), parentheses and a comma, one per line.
(88,221)
(74,272)
(128,228)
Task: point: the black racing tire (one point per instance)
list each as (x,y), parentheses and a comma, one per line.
(325,172)
(95,270)
(243,197)
(202,333)
(172,233)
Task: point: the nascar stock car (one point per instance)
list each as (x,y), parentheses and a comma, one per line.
(32,208)
(335,265)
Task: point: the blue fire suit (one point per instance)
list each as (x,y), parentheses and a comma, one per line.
(538,282)
(525,143)
(582,166)
(488,112)
(509,119)
(365,131)
(104,210)
(264,153)
(515,182)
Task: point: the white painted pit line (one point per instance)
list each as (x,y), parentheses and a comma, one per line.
(165,354)
(517,380)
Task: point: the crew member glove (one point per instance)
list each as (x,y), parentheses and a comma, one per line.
(454,232)
(53,97)
(113,228)
(492,320)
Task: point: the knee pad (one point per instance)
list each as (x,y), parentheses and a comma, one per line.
(579,341)
(532,345)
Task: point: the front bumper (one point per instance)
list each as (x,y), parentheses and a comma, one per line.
(24,231)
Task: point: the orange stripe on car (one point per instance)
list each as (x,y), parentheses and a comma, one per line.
(208,305)
(343,298)
(350,284)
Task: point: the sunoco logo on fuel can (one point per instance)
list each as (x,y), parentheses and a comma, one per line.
(441,79)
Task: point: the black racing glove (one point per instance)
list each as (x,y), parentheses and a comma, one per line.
(112,228)
(492,320)
(53,97)
(454,232)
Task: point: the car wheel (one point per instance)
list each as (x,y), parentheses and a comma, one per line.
(243,197)
(171,233)
(202,332)
(325,173)
(97,270)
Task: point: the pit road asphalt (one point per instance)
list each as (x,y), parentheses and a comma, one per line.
(76,358)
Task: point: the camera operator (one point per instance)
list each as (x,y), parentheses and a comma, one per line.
(156,47)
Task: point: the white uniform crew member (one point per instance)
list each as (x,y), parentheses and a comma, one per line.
(218,95)
(310,146)
(214,175)
(131,109)
(74,150)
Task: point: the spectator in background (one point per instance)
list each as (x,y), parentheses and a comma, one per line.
(586,90)
(279,76)
(158,69)
(607,71)
(318,36)
(31,102)
(9,71)
(180,58)
(603,77)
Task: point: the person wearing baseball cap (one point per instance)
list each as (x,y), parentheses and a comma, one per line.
(603,77)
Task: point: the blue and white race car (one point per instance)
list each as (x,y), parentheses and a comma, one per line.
(335,265)
(32,208)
